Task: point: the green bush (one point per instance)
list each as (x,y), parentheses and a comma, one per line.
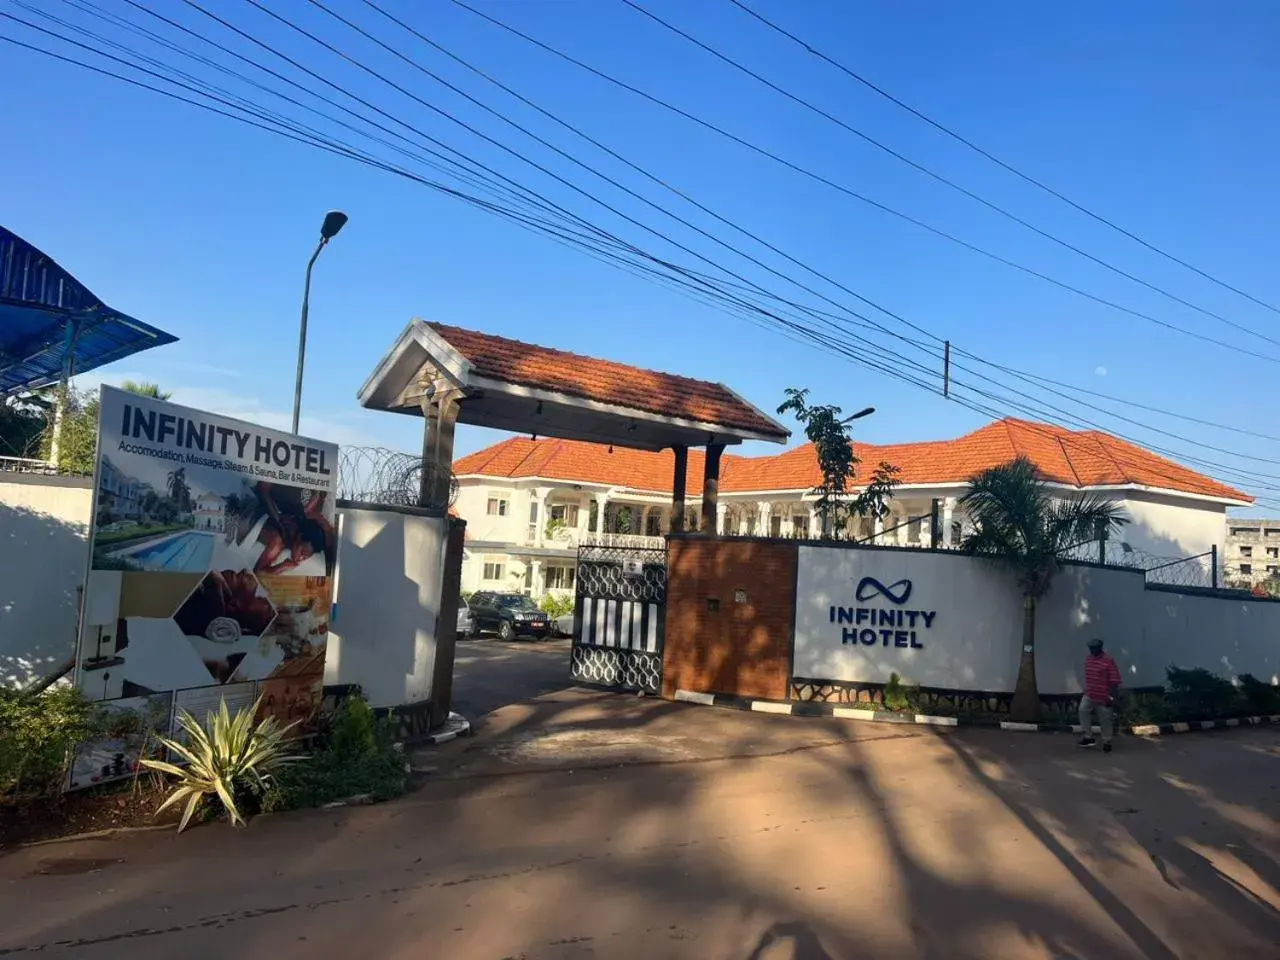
(37,735)
(554,605)
(1198,694)
(895,694)
(357,758)
(1261,697)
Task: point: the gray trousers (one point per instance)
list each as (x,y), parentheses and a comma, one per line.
(1087,709)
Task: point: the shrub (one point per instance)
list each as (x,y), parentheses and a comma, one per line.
(37,735)
(228,759)
(358,759)
(1198,694)
(895,694)
(555,606)
(1260,696)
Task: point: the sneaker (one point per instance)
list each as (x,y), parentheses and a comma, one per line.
(1106,747)
(1088,742)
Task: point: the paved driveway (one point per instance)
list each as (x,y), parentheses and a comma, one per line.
(488,674)
(583,825)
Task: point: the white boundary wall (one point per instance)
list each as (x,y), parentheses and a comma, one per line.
(386,602)
(960,624)
(44,551)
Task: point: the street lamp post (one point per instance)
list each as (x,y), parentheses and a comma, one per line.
(334,221)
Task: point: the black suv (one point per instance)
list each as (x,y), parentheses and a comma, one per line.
(510,614)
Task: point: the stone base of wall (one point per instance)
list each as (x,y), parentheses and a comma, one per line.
(927,699)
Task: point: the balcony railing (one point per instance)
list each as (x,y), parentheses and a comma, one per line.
(626,540)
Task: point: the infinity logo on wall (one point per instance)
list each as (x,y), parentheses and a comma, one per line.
(868,587)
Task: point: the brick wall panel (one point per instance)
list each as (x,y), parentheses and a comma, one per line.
(742,648)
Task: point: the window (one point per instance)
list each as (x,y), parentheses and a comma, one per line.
(1273,551)
(1272,569)
(497,507)
(1271,532)
(653,525)
(775,526)
(566,513)
(800,526)
(1246,551)
(559,578)
(493,569)
(533,511)
(1246,569)
(1245,531)
(955,533)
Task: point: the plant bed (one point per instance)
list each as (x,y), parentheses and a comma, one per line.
(129,804)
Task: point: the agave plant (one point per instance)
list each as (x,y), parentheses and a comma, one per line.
(222,757)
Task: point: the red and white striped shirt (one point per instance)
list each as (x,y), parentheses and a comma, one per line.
(1100,675)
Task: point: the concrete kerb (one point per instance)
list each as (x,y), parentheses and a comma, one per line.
(815,709)
(456,726)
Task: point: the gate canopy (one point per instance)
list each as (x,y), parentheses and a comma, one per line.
(48,316)
(510,385)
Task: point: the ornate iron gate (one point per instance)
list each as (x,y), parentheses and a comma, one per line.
(618,618)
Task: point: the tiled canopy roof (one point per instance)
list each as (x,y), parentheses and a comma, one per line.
(664,394)
(1076,458)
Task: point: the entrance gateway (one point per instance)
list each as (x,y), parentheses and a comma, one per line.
(619,615)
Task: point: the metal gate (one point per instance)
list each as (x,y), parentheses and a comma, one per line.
(618,618)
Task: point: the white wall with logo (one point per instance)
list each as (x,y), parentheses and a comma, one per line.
(974,639)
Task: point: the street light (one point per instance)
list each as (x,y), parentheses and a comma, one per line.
(866,412)
(334,221)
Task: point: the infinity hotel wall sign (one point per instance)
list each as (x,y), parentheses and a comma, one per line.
(895,625)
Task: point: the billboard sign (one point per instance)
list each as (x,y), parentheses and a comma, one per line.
(212,554)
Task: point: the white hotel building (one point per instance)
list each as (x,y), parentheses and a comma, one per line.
(530,503)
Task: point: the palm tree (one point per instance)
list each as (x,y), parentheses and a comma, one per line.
(179,492)
(1022,526)
(145,389)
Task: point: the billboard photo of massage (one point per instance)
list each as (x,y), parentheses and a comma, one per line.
(212,557)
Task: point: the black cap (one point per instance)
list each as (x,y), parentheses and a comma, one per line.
(1095,644)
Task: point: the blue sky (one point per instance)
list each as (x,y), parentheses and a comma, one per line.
(1161,115)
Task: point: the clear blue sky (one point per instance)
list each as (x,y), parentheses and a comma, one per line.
(1162,115)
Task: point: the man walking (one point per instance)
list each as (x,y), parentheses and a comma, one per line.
(1101,687)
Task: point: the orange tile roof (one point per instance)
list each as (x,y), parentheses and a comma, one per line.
(1077,458)
(665,394)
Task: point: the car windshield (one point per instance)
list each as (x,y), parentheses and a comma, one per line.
(516,602)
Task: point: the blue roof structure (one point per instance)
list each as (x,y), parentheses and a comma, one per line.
(44,310)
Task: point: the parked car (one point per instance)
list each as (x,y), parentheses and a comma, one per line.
(466,623)
(564,625)
(510,615)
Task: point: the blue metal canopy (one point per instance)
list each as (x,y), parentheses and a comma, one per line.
(47,316)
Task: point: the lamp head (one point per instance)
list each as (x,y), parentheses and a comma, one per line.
(334,221)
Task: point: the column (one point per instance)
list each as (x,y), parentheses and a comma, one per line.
(602,501)
(535,588)
(948,510)
(441,414)
(679,479)
(539,496)
(711,489)
(877,528)
(765,510)
(722,512)
(817,529)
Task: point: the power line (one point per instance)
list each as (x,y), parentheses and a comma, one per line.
(848,71)
(854,194)
(934,175)
(824,339)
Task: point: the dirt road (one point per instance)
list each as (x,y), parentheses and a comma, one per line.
(720,835)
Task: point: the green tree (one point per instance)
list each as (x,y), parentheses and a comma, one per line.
(179,492)
(1020,525)
(78,439)
(832,441)
(145,389)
